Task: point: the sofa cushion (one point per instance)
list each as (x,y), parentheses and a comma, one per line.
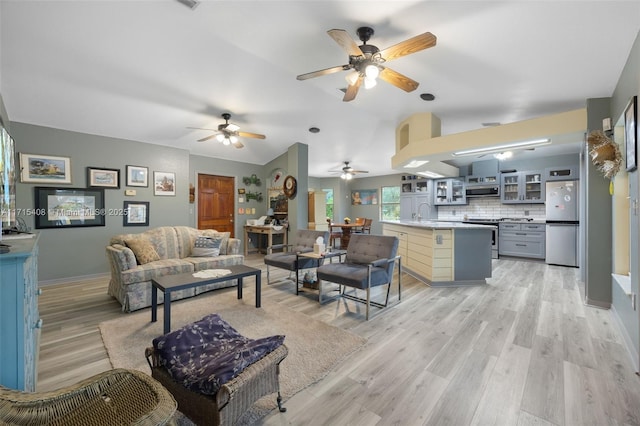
(142,249)
(216,262)
(206,246)
(156,269)
(204,355)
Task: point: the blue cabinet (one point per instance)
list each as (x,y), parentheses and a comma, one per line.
(19,318)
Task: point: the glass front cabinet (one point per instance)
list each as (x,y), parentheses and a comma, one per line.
(522,187)
(450,192)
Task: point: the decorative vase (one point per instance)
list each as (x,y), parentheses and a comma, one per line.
(347,221)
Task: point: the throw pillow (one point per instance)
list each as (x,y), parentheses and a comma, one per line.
(224,236)
(143,250)
(206,246)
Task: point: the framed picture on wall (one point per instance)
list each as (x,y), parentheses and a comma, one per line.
(37,168)
(164,183)
(631,133)
(364,197)
(69,207)
(103,178)
(136,213)
(137,176)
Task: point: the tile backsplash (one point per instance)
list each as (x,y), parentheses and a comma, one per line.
(490,208)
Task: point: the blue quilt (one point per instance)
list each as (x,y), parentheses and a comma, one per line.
(208,353)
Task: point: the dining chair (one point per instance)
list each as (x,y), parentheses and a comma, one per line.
(335,234)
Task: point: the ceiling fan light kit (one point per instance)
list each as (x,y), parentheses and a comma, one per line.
(347,172)
(229,133)
(366,61)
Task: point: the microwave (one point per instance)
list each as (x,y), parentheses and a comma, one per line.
(483,191)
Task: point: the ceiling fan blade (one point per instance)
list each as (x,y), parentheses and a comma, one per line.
(323,72)
(207,138)
(412,45)
(251,135)
(346,42)
(238,144)
(358,171)
(352,91)
(399,80)
(201,128)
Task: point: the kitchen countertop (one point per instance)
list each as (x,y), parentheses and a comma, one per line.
(435,224)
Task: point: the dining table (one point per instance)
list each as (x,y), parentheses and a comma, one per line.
(347,230)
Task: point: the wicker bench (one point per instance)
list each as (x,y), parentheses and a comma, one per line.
(115,397)
(234,397)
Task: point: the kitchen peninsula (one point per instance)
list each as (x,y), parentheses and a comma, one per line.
(443,254)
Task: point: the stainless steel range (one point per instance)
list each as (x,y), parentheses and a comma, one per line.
(494,234)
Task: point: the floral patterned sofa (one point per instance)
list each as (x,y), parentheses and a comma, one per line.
(135,259)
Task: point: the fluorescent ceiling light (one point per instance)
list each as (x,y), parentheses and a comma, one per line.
(430,174)
(500,148)
(415,163)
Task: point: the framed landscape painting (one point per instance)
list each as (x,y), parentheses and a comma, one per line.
(37,168)
(68,207)
(103,178)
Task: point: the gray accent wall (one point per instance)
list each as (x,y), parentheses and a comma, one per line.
(598,217)
(79,252)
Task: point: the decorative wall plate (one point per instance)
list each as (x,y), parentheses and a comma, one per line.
(276,178)
(290,186)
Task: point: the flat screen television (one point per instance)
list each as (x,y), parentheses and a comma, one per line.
(8,179)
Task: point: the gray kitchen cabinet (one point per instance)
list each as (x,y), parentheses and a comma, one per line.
(449,191)
(522,187)
(522,240)
(419,201)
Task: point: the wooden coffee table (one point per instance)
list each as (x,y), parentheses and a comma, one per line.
(171,283)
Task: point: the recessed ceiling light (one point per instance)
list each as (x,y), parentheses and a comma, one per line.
(314,129)
(491,124)
(427,97)
(415,163)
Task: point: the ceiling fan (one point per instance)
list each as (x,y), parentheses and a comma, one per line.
(347,172)
(229,133)
(367,61)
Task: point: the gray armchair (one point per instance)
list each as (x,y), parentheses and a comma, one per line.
(369,262)
(287,259)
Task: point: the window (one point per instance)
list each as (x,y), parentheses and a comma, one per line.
(390,203)
(329,203)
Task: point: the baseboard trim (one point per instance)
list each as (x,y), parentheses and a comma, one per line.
(628,343)
(68,280)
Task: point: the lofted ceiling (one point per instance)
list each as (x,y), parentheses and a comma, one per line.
(147,70)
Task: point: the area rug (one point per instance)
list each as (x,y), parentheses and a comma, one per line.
(314,347)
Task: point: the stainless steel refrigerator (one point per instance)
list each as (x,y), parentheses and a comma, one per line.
(562,223)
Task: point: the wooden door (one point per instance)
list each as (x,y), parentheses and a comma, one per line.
(216,203)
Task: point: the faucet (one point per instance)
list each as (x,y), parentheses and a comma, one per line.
(420,205)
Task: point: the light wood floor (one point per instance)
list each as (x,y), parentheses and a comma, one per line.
(522,350)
